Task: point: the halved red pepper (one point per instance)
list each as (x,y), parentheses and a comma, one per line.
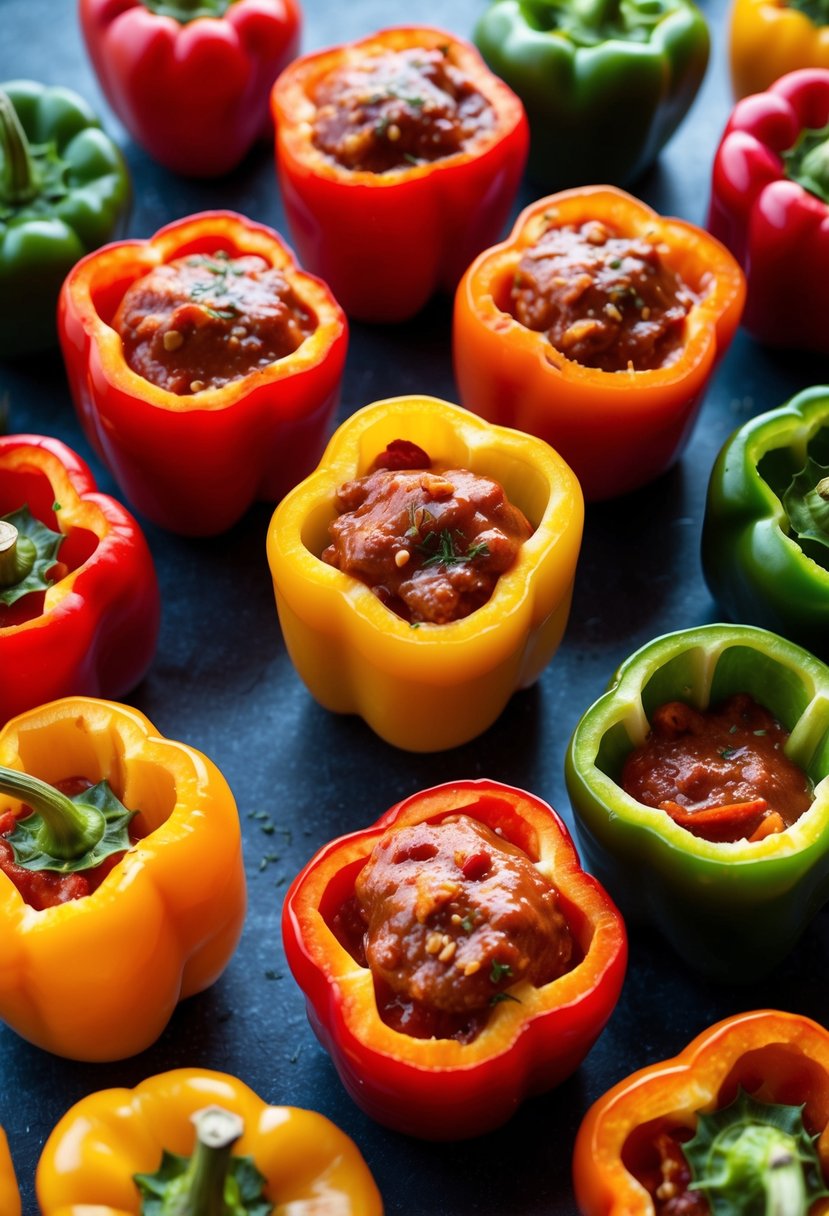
(386,242)
(84,617)
(534,1037)
(194,463)
(190,79)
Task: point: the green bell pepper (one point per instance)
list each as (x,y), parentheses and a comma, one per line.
(765,538)
(605,83)
(731,910)
(64,190)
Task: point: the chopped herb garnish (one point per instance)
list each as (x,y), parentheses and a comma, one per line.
(732,730)
(499,971)
(615,263)
(760,732)
(414,624)
(728,752)
(503,996)
(446,553)
(56,506)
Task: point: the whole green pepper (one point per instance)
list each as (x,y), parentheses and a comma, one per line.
(765,538)
(605,83)
(732,910)
(64,190)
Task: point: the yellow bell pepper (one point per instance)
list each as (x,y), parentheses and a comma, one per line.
(97,978)
(9,1194)
(769,38)
(90,1160)
(437,685)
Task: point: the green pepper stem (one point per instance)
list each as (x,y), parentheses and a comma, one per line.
(815,165)
(69,829)
(18,181)
(786,1193)
(822,488)
(594,14)
(202,1190)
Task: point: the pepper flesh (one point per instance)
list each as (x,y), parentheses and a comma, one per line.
(435,686)
(96,631)
(195,463)
(768,39)
(9,1194)
(617,430)
(91,1156)
(442,1089)
(785,1053)
(732,910)
(166,919)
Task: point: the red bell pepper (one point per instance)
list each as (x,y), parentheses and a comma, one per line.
(194,463)
(190,79)
(387,241)
(79,601)
(441,1088)
(770,206)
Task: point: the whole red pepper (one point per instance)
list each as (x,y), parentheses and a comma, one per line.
(770,207)
(81,614)
(190,79)
(440,1088)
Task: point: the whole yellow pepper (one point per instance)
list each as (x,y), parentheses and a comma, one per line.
(9,1194)
(90,1160)
(769,38)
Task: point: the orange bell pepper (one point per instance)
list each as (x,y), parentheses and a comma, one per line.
(9,1194)
(617,430)
(98,978)
(769,38)
(304,1162)
(437,685)
(776,1058)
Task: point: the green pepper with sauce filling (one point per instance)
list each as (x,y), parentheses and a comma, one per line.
(731,909)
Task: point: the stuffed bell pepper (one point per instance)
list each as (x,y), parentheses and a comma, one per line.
(122,888)
(597,325)
(191,79)
(770,207)
(205,367)
(64,190)
(455,958)
(605,83)
(424,572)
(699,785)
(399,157)
(735,1124)
(768,38)
(197,1141)
(765,538)
(79,599)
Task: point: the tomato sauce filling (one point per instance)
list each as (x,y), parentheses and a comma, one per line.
(448,916)
(604,300)
(666,1175)
(204,321)
(392,109)
(430,543)
(720,773)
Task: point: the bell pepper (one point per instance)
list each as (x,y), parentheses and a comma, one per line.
(765,539)
(432,686)
(79,599)
(104,1153)
(767,1151)
(387,242)
(768,38)
(440,1088)
(166,918)
(734,909)
(64,190)
(194,463)
(617,430)
(9,1194)
(770,207)
(190,79)
(605,84)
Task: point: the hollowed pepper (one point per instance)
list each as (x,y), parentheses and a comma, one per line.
(765,538)
(97,978)
(732,910)
(770,207)
(440,1088)
(195,462)
(190,79)
(217,1145)
(605,84)
(616,429)
(768,38)
(437,685)
(742,1111)
(79,600)
(386,242)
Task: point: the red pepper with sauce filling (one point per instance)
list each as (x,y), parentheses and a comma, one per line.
(454,956)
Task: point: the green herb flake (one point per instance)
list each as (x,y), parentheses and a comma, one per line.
(499,972)
(503,996)
(728,752)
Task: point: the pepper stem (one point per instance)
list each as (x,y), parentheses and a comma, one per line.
(594,14)
(19,180)
(815,165)
(822,488)
(202,1191)
(68,829)
(786,1193)
(17,555)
